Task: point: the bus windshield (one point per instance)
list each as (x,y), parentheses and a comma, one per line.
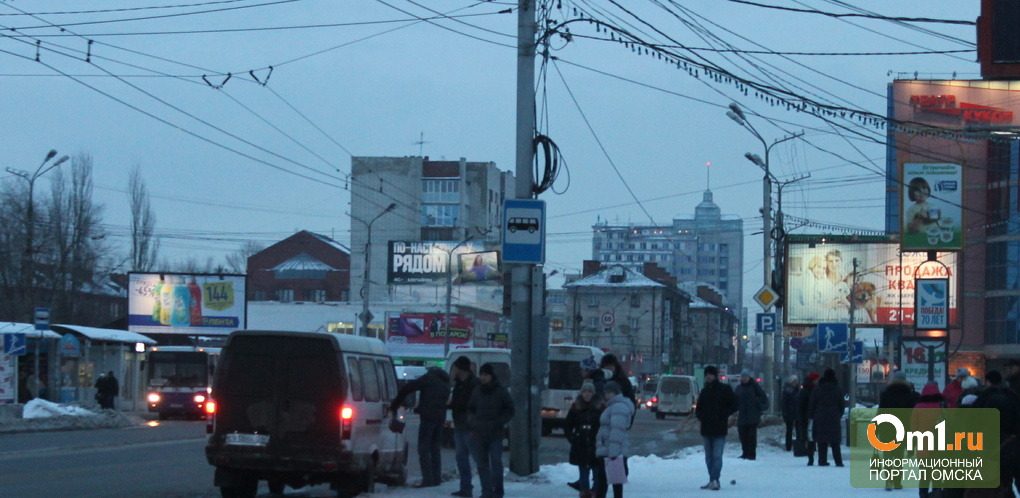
(178,369)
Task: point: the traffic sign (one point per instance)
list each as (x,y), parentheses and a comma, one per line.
(608,319)
(42,318)
(15,344)
(765,323)
(832,337)
(858,354)
(766,297)
(524,231)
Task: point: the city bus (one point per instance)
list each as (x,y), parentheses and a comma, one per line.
(178,379)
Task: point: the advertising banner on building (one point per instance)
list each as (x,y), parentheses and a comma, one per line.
(424,334)
(822,286)
(8,377)
(918,355)
(192,304)
(431,263)
(931,209)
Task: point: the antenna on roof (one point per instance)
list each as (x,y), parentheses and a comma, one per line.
(708,175)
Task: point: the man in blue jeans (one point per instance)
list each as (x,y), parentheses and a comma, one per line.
(489,410)
(715,405)
(464,384)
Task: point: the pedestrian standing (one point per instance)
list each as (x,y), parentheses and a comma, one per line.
(611,441)
(434,389)
(1013,374)
(715,405)
(582,425)
(804,416)
(898,394)
(106,390)
(951,394)
(826,410)
(612,370)
(465,383)
(752,402)
(1004,399)
(489,410)
(925,420)
(789,407)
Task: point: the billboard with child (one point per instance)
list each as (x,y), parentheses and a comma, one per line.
(932,207)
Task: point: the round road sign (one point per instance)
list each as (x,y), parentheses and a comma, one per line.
(608,319)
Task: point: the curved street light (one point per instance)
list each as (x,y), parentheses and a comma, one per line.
(366,315)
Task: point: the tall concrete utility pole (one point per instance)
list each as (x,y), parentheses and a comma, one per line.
(529,342)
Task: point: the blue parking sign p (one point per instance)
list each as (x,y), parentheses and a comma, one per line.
(765,323)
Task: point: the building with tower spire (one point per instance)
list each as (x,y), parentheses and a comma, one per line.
(707,247)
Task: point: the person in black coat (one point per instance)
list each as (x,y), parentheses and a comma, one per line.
(715,405)
(1004,399)
(825,411)
(804,416)
(582,425)
(465,383)
(752,402)
(610,369)
(789,408)
(435,392)
(489,410)
(898,394)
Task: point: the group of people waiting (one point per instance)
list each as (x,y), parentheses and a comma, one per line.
(481,407)
(964,391)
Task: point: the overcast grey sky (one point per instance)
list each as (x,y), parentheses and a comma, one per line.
(251,161)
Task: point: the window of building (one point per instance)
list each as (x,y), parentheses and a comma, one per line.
(598,246)
(315,295)
(706,259)
(285,295)
(593,300)
(345,296)
(722,285)
(724,248)
(685,271)
(440,191)
(705,273)
(258,295)
(655,246)
(634,323)
(593,321)
(635,301)
(724,260)
(556,324)
(644,245)
(439,215)
(724,272)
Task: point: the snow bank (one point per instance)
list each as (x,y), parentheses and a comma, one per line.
(38,408)
(774,473)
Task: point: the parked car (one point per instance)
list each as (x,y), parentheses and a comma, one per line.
(303,408)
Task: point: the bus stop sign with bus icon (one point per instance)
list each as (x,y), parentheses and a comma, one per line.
(524,231)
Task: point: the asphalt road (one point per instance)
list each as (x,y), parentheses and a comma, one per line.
(167,459)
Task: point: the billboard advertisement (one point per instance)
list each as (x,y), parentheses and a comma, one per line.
(931,208)
(921,354)
(426,263)
(822,286)
(423,334)
(186,303)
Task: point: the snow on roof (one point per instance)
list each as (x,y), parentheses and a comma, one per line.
(26,328)
(697,302)
(615,276)
(109,335)
(331,242)
(303,262)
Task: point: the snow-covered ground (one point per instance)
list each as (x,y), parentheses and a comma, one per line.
(775,474)
(42,415)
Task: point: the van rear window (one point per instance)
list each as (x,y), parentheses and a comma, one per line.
(565,375)
(354,375)
(248,375)
(371,377)
(676,386)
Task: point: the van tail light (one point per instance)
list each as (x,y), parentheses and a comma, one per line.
(210,412)
(655,399)
(346,421)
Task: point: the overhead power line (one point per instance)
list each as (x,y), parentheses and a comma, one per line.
(866,16)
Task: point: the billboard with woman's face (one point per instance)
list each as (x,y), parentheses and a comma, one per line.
(932,207)
(823,286)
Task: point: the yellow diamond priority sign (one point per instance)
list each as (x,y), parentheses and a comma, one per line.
(766,297)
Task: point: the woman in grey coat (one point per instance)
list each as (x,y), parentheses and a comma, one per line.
(611,442)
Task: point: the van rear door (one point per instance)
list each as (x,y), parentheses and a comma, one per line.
(287,388)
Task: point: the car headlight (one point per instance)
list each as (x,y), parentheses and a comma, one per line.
(154,398)
(199,398)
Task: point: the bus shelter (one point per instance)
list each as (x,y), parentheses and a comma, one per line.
(85,353)
(17,373)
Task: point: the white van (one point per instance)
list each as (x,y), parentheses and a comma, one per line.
(565,379)
(500,359)
(303,408)
(676,395)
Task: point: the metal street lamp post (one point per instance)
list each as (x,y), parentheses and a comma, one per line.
(449,294)
(28,258)
(366,285)
(737,115)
